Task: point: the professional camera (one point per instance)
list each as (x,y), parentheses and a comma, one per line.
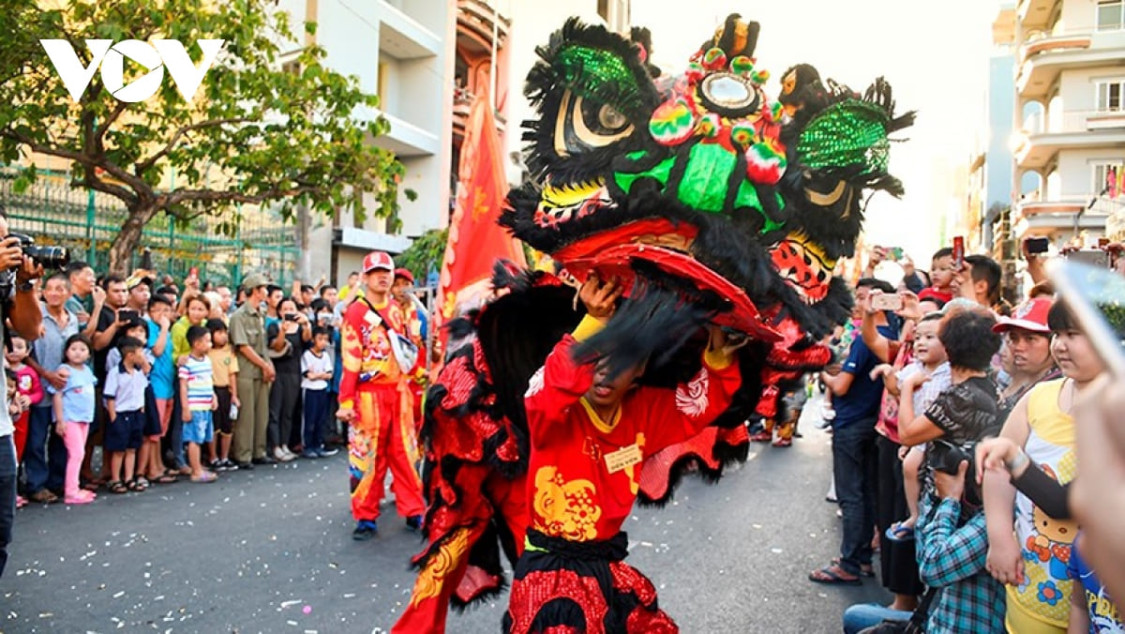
(946,457)
(48,257)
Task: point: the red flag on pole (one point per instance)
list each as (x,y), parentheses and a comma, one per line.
(476,241)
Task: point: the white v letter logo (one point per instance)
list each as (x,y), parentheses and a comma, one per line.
(74,76)
(187,76)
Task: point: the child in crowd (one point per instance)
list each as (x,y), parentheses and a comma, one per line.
(74,411)
(316,372)
(18,406)
(124,392)
(941,276)
(162,381)
(224,368)
(931,362)
(193,310)
(27,386)
(197,393)
(967,410)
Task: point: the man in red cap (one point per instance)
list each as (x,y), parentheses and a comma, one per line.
(415,320)
(375,400)
(1027,350)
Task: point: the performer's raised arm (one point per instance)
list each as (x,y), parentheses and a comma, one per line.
(562,381)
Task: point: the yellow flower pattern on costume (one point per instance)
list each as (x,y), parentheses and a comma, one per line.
(565,509)
(444,561)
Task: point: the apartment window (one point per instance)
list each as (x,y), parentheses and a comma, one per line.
(1101,174)
(1111,15)
(1109,95)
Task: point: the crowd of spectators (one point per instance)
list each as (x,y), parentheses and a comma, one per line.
(955,423)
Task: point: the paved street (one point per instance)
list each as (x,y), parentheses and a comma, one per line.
(271,551)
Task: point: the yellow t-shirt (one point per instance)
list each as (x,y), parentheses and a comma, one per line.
(223,363)
(1041,605)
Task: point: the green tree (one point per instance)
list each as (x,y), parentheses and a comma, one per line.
(253,133)
(424,253)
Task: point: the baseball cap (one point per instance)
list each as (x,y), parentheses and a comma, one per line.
(136,279)
(254,280)
(1030,315)
(404,274)
(378,260)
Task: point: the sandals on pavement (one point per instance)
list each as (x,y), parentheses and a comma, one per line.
(138,485)
(865,570)
(117,487)
(205,478)
(834,575)
(168,477)
(44,496)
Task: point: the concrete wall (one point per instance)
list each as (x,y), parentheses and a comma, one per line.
(1077,87)
(350,40)
(1076,170)
(1077,15)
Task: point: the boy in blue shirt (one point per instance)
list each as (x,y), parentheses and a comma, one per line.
(162,383)
(197,392)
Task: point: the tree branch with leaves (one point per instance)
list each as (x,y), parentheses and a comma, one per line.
(253,134)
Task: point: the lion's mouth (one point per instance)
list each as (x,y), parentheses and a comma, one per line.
(561,205)
(803,264)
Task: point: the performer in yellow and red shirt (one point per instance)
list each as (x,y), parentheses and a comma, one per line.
(376,401)
(590,434)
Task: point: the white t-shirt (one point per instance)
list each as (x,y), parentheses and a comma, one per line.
(315,364)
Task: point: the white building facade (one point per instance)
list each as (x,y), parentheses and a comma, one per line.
(402,51)
(1070,98)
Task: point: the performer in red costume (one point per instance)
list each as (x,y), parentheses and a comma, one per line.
(376,401)
(589,434)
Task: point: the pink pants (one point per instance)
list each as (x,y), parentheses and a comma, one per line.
(75,442)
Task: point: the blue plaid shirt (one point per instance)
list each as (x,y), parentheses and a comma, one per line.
(952,558)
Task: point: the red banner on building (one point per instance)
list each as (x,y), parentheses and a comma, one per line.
(476,241)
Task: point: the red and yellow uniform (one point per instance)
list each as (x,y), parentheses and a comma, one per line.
(582,482)
(382,433)
(417,380)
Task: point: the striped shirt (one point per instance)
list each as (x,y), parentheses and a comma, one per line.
(952,557)
(200,386)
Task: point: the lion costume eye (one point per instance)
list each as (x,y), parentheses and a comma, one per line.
(584,125)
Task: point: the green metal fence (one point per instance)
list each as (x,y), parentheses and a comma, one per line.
(86,222)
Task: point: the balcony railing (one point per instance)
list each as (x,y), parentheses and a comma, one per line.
(481,19)
(1058,206)
(1047,42)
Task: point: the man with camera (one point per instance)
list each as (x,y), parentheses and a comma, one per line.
(952,544)
(21,313)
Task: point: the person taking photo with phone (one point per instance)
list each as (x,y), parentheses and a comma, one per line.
(292,331)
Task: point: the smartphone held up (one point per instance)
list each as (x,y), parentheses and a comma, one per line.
(886,301)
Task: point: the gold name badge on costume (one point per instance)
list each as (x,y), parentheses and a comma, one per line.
(623,458)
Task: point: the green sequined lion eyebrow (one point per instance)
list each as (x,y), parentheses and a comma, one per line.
(599,74)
